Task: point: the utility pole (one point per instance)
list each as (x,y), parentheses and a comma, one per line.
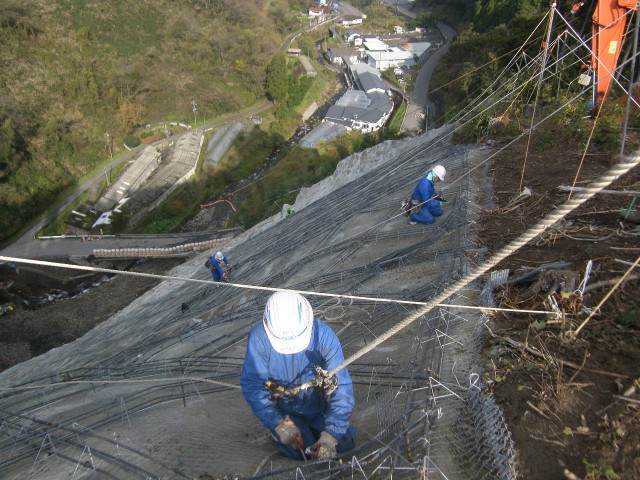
(107,139)
(195,119)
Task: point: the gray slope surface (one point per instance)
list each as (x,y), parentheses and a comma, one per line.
(142,415)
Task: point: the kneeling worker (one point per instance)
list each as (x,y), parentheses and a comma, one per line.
(217,272)
(283,352)
(425,204)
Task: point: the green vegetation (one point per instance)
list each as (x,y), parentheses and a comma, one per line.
(381,18)
(487,41)
(398,117)
(77,69)
(276,79)
(57,226)
(299,168)
(596,472)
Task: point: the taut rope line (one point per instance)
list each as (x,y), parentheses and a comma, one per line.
(562,211)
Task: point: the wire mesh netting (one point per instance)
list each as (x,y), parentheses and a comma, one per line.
(153,393)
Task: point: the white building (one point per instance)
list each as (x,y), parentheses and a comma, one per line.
(351,20)
(351,35)
(391,59)
(374,44)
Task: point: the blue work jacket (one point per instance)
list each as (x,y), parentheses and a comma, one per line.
(425,192)
(263,363)
(216,272)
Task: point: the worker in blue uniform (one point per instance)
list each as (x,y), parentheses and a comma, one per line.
(425,203)
(222,260)
(283,352)
(217,272)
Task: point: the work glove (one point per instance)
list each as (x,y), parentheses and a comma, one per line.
(225,278)
(325,447)
(440,198)
(289,433)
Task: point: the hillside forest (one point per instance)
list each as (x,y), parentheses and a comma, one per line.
(78,76)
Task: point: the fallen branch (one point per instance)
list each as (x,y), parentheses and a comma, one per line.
(570,475)
(613,281)
(537,410)
(564,363)
(606,297)
(552,442)
(627,399)
(207,205)
(623,262)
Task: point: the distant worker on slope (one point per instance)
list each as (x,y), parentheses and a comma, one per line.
(222,260)
(284,352)
(217,264)
(425,204)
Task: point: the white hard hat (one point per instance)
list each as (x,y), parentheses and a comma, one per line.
(440,171)
(219,256)
(288,321)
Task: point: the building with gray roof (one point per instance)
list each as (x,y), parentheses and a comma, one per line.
(324,132)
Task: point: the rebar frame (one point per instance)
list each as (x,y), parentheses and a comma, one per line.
(426,424)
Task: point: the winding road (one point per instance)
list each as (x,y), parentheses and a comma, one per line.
(29,246)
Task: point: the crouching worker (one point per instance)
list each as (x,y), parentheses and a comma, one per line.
(222,261)
(425,203)
(283,352)
(217,272)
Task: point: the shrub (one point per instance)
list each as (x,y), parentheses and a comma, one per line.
(131,141)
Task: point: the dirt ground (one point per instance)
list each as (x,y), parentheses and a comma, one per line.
(61,308)
(52,307)
(561,394)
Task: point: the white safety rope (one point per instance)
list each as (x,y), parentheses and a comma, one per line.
(562,211)
(245,286)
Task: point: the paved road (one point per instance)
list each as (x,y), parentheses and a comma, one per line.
(419,105)
(28,246)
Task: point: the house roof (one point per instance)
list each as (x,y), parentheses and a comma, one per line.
(391,56)
(344,52)
(323,132)
(354,98)
(370,82)
(361,106)
(361,67)
(418,47)
(375,45)
(342,114)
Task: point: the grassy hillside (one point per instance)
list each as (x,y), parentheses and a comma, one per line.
(73,70)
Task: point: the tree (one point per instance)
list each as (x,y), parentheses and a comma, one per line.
(277,79)
(130,114)
(424,19)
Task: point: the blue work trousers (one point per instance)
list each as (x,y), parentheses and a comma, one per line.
(426,214)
